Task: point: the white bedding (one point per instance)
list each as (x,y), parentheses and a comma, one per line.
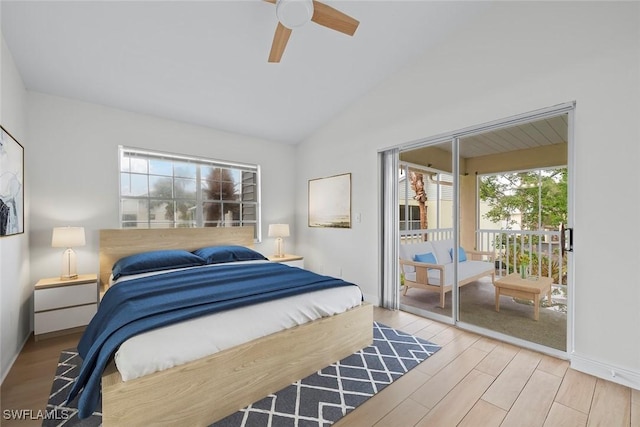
(184,342)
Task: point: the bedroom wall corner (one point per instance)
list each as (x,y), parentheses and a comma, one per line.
(15,288)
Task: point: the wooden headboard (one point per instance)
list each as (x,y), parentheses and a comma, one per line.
(115,244)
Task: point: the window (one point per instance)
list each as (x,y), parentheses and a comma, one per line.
(160,190)
(438,204)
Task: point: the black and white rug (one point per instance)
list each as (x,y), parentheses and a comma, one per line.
(57,414)
(318,400)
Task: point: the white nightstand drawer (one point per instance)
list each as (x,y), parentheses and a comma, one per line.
(56,320)
(65,296)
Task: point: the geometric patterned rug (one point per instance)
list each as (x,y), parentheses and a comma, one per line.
(320,399)
(58,414)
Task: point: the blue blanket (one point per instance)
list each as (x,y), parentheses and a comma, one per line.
(138,305)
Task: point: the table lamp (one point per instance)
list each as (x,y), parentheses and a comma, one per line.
(279,231)
(68,237)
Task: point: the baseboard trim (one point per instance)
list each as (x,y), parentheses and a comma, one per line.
(15,357)
(59,333)
(605,371)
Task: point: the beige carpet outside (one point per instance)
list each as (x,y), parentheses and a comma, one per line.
(477,306)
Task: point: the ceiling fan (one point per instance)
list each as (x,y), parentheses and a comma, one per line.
(293,14)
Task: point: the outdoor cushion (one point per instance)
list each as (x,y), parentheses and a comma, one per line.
(428,258)
(409,251)
(441,250)
(465,270)
(462,255)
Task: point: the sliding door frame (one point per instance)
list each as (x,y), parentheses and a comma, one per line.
(454,137)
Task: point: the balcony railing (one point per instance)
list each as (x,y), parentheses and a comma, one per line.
(414,236)
(542,247)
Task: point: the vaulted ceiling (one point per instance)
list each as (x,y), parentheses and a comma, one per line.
(205,62)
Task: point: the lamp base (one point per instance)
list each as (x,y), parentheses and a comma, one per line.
(279,247)
(69,271)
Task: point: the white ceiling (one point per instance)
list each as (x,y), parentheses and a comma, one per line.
(205,62)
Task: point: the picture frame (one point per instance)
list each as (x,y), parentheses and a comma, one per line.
(330,201)
(11,185)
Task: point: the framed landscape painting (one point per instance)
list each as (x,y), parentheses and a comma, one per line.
(11,185)
(330,202)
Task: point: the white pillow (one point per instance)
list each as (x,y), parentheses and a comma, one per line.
(409,250)
(441,250)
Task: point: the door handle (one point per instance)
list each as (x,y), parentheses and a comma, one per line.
(566,244)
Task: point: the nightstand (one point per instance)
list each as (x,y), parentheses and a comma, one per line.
(292,260)
(64,306)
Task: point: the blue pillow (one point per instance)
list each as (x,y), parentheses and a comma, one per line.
(146,262)
(229,253)
(428,258)
(462,255)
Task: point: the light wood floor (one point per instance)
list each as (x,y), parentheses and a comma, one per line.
(471,381)
(29,381)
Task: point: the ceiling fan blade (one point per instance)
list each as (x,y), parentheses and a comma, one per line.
(271,1)
(280,39)
(334,19)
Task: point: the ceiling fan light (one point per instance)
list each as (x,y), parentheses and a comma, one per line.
(294,13)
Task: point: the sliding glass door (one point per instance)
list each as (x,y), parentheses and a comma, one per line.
(478,219)
(512,205)
(426,203)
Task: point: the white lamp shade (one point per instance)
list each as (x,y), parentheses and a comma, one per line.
(67,237)
(278,230)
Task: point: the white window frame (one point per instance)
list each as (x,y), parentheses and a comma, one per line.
(199,162)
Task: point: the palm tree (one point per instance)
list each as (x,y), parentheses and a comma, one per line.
(417,185)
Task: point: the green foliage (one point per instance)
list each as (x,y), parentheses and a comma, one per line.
(512,193)
(555,268)
(524,258)
(540,263)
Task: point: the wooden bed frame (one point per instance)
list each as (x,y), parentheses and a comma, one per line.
(209,389)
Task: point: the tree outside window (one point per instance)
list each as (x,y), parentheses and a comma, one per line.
(159,190)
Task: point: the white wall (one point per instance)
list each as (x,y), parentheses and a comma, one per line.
(15,288)
(514,58)
(73,171)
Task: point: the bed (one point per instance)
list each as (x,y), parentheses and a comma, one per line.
(210,388)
